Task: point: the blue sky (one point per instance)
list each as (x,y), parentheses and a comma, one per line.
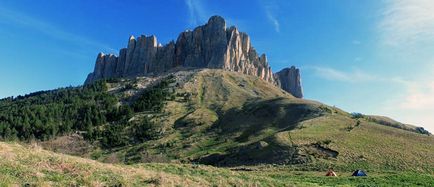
(373,57)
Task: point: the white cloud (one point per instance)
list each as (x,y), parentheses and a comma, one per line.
(407,22)
(272,19)
(407,34)
(415,105)
(342,76)
(270,10)
(18,18)
(197,12)
(420,96)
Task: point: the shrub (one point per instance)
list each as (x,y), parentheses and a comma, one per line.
(145,130)
(113,136)
(154,98)
(421,130)
(356,115)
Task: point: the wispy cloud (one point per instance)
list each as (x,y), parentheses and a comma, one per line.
(353,76)
(419,96)
(356,42)
(342,76)
(271,7)
(9,16)
(407,30)
(273,20)
(407,22)
(197,12)
(415,105)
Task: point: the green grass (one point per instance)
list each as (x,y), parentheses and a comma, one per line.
(369,145)
(22,165)
(228,113)
(249,122)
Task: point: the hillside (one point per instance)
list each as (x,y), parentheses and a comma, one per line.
(33,166)
(213,117)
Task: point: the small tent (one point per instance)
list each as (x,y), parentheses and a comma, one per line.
(331,173)
(359,173)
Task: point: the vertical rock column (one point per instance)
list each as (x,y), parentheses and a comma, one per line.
(289,79)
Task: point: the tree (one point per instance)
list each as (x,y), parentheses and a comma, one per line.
(112,136)
(146,130)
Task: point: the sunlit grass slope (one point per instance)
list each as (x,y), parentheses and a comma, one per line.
(217,118)
(30,165)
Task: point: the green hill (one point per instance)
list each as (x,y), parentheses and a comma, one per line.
(211,117)
(29,165)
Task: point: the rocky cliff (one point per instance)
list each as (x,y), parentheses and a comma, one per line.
(212,45)
(289,79)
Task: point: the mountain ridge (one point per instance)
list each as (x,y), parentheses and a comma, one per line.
(209,116)
(212,45)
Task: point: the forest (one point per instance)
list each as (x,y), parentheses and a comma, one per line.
(89,110)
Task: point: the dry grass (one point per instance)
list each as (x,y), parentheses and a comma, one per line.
(21,165)
(32,165)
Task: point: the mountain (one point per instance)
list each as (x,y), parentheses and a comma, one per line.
(200,112)
(209,116)
(212,45)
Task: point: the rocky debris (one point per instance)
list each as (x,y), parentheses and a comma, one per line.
(243,169)
(212,45)
(289,79)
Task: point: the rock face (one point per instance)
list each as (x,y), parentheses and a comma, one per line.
(212,45)
(289,79)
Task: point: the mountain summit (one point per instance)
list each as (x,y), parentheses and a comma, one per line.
(212,45)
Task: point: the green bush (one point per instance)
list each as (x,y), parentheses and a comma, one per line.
(146,130)
(153,99)
(113,136)
(357,115)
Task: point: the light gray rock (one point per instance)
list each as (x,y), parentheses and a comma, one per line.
(212,45)
(129,56)
(120,67)
(289,79)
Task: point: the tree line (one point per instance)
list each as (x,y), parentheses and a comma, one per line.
(89,110)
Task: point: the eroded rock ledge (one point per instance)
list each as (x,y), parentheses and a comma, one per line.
(212,45)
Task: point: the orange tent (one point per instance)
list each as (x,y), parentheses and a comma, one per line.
(331,173)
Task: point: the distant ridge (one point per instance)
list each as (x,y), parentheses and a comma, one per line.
(212,45)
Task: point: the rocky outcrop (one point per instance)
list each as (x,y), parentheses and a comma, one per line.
(289,79)
(212,45)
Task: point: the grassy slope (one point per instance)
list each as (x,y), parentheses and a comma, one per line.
(186,122)
(31,165)
(243,110)
(236,115)
(226,118)
(20,165)
(368,145)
